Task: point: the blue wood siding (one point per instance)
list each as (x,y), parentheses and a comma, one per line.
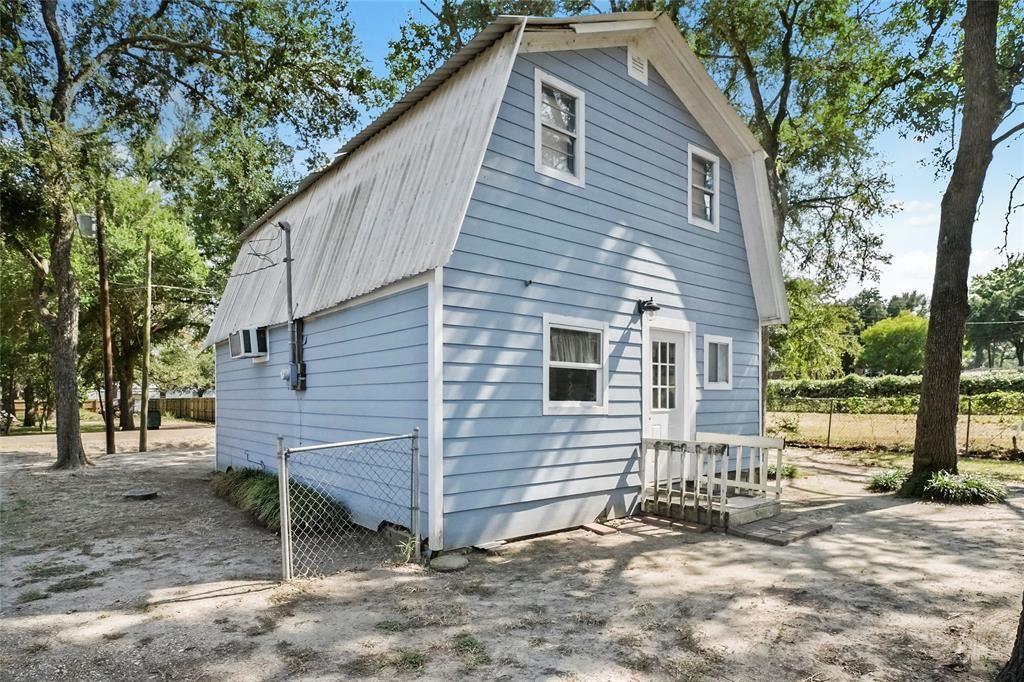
(531,245)
(367,377)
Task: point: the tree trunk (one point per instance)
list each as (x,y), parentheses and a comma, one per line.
(64,342)
(1013,671)
(7,393)
(29,396)
(1018,350)
(124,398)
(935,442)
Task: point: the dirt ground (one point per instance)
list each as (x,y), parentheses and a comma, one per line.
(184,587)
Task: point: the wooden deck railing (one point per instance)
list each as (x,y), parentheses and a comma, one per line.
(702,473)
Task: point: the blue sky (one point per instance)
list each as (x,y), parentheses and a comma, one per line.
(910,235)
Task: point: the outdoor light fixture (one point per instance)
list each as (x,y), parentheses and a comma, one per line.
(86,225)
(648,306)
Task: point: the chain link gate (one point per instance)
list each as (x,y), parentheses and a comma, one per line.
(340,502)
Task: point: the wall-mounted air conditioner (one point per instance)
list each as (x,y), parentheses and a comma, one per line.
(249,343)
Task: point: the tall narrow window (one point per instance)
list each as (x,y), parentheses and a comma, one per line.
(575,366)
(559,135)
(703,190)
(717,362)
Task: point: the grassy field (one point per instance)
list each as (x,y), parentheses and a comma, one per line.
(1007,470)
(91,423)
(988,433)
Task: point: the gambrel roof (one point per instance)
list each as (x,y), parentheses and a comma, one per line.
(391,204)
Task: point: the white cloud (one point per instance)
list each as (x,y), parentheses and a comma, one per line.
(914,270)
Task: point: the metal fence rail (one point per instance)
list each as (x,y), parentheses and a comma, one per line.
(348,505)
(856,423)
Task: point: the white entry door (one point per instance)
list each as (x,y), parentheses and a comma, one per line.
(667,384)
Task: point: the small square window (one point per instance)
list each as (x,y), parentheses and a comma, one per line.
(559,135)
(717,362)
(575,366)
(703,190)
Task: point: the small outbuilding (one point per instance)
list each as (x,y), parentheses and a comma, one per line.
(559,244)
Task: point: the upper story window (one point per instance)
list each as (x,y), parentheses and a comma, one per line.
(575,366)
(558,129)
(703,192)
(717,362)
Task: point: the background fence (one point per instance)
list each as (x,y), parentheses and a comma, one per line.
(197,409)
(889,424)
(348,505)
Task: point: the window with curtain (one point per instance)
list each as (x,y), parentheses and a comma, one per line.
(574,365)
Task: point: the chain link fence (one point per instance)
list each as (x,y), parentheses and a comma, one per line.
(858,423)
(349,505)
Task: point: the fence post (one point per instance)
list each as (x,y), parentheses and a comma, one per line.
(967,436)
(415,492)
(285,510)
(828,435)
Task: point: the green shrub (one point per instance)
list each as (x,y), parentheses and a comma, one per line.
(940,487)
(996,402)
(855,386)
(963,489)
(888,481)
(789,472)
(256,492)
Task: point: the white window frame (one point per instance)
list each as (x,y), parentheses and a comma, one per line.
(569,406)
(539,80)
(693,150)
(717,385)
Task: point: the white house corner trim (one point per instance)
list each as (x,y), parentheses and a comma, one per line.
(435,409)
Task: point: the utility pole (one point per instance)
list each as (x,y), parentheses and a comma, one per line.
(144,408)
(108,346)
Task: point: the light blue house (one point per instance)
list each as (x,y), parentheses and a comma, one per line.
(484,262)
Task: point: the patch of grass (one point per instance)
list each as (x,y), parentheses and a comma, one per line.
(31,595)
(1006,470)
(963,489)
(966,488)
(298,659)
(391,626)
(78,582)
(11,514)
(888,481)
(470,649)
(408,660)
(256,492)
(40,571)
(789,472)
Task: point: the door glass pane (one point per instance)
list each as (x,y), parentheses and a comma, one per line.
(663,375)
(570,384)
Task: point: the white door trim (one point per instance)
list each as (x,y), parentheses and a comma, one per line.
(689,369)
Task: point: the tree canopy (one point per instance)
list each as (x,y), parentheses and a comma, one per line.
(818,337)
(894,345)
